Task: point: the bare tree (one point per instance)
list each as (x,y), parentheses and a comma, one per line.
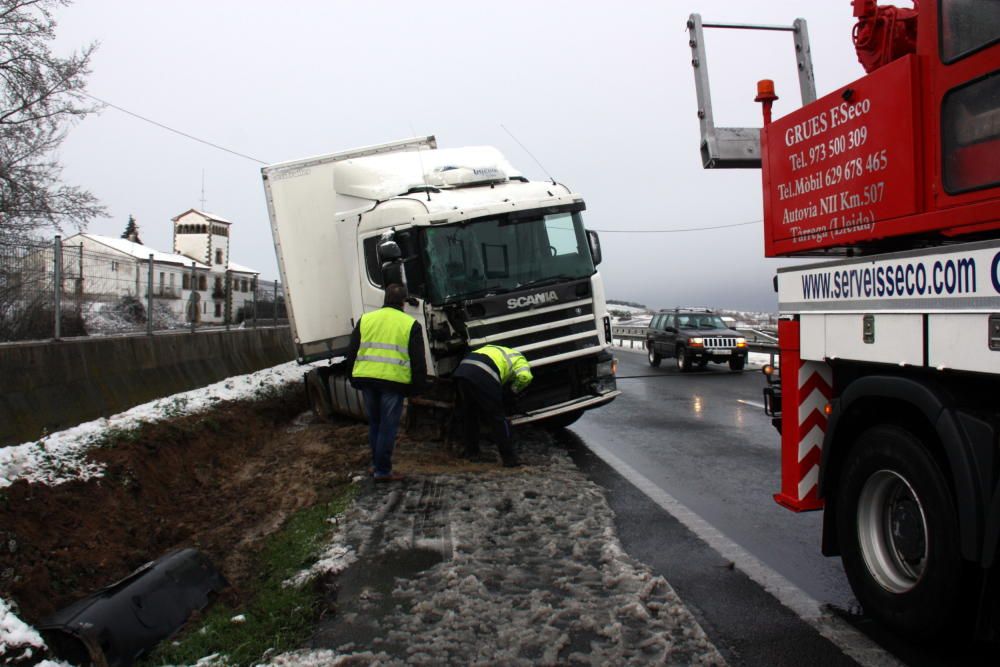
(41,96)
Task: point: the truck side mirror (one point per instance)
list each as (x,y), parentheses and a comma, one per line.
(392,272)
(595,246)
(388,251)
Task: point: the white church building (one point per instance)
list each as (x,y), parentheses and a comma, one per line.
(197,281)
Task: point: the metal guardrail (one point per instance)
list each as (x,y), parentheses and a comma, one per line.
(635,337)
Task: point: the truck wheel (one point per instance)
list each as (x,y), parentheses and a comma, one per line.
(320,407)
(736,363)
(683,362)
(654,358)
(897,526)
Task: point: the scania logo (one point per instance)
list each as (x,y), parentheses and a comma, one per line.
(532,300)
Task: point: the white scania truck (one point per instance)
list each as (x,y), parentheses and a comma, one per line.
(487,255)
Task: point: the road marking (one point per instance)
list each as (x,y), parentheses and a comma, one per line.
(753,403)
(852,642)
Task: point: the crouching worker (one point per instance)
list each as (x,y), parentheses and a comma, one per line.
(386,358)
(480,380)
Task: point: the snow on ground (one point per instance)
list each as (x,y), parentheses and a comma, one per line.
(497,567)
(59,457)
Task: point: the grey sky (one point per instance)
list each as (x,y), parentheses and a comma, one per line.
(601,93)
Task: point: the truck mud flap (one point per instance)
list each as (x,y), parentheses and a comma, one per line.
(117,624)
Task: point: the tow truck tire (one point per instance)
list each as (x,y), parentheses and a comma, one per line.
(736,363)
(683,361)
(897,527)
(654,358)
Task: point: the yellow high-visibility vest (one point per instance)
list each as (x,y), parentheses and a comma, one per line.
(384,351)
(512,365)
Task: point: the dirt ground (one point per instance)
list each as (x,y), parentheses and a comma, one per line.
(220,481)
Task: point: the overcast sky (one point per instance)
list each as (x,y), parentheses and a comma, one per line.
(601,93)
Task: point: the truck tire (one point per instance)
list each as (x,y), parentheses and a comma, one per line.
(561,420)
(654,358)
(683,361)
(737,363)
(318,400)
(897,526)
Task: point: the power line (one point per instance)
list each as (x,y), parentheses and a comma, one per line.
(170,129)
(675,231)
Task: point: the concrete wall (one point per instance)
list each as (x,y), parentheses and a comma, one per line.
(50,385)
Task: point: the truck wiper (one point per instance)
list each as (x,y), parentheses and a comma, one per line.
(546,281)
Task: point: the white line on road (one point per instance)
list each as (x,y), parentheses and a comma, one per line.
(753,403)
(852,642)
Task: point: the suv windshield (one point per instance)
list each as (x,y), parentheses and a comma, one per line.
(493,255)
(690,321)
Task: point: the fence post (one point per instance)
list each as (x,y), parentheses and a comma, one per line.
(254,302)
(275,303)
(57,285)
(194,297)
(228,295)
(149,298)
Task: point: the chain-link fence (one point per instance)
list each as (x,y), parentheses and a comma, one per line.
(82,288)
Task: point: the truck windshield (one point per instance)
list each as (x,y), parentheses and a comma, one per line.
(493,255)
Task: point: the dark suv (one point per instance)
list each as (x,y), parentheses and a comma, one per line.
(694,337)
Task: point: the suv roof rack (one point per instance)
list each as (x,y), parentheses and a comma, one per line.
(695,309)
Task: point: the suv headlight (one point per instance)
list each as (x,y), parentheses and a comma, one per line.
(697,341)
(741,342)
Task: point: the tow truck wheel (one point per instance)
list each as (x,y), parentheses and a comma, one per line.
(897,526)
(654,358)
(683,362)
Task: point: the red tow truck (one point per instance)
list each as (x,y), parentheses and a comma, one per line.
(888,401)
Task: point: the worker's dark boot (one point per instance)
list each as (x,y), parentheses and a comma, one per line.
(507,455)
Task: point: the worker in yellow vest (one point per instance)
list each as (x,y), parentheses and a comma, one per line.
(480,379)
(386,358)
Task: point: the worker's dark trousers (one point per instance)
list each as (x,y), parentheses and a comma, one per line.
(479,406)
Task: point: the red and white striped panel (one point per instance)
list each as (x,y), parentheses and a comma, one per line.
(814,391)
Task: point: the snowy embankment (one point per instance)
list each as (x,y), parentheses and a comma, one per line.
(60,457)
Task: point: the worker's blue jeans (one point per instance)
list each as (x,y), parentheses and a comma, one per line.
(384,409)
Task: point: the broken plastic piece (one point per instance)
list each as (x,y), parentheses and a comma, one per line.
(117,624)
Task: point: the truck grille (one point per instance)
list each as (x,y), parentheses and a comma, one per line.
(720,343)
(543,335)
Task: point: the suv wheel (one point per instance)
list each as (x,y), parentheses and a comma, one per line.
(683,362)
(654,358)
(736,363)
